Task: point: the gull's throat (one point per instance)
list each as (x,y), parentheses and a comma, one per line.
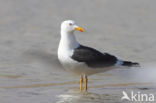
(68,40)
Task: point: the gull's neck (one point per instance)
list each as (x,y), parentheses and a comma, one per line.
(68,41)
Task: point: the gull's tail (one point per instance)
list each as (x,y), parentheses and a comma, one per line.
(130,64)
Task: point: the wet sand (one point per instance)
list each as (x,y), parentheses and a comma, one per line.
(29,37)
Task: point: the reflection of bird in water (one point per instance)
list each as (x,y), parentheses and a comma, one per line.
(84,60)
(83,98)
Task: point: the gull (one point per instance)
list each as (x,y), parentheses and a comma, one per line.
(83,60)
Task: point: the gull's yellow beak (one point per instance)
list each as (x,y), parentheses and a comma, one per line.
(79,29)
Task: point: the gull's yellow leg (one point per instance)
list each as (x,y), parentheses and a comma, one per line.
(86,83)
(81,83)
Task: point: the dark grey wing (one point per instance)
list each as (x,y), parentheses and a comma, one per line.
(93,58)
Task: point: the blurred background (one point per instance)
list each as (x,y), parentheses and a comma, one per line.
(29,37)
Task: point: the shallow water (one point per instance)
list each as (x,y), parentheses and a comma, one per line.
(29,37)
(64,88)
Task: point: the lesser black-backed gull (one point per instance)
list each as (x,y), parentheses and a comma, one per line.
(84,60)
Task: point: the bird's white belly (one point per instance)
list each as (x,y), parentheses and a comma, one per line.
(79,67)
(71,65)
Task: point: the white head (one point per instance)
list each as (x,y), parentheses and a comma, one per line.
(69,26)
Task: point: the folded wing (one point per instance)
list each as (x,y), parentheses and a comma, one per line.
(93,58)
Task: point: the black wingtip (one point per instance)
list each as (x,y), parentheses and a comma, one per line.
(130,64)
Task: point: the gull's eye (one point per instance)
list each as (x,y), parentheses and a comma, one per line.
(70,24)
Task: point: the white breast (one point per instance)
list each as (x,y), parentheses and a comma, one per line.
(65,51)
